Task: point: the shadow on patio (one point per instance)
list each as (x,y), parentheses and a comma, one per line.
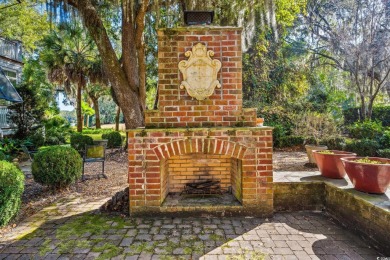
(91,235)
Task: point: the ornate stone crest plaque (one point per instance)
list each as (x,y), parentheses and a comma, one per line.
(200,72)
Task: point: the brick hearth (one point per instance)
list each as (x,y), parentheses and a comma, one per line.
(188,140)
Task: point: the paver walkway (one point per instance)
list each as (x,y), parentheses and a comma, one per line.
(71,229)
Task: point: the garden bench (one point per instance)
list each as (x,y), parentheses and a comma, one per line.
(93,154)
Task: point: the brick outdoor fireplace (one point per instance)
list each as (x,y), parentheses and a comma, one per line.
(200,131)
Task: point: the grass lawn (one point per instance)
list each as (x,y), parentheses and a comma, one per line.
(95,136)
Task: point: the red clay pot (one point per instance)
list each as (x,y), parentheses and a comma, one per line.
(330,165)
(371,178)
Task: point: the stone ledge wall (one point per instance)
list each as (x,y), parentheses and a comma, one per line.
(366,219)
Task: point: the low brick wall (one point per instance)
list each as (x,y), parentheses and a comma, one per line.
(366,219)
(295,196)
(360,216)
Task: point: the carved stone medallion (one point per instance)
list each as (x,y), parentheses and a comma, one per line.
(200,72)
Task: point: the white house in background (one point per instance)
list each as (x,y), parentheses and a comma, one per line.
(11,66)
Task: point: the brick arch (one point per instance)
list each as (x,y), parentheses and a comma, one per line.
(200,145)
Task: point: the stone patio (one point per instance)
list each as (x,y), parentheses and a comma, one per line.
(72,229)
(65,231)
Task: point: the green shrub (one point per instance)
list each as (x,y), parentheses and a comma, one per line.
(379,113)
(279,118)
(366,130)
(10,147)
(382,113)
(384,141)
(385,153)
(88,131)
(114,139)
(290,141)
(11,190)
(57,166)
(78,141)
(3,157)
(364,147)
(334,143)
(37,139)
(57,129)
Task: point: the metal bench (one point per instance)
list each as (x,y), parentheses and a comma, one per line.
(93,154)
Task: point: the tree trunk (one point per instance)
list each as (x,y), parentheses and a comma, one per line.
(78,109)
(273,23)
(362,107)
(155,105)
(95,102)
(125,84)
(118,113)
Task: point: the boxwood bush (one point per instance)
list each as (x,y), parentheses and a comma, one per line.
(78,141)
(11,190)
(57,166)
(114,139)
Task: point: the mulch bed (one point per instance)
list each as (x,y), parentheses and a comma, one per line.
(36,196)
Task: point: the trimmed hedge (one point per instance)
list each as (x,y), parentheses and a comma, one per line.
(114,139)
(78,141)
(379,113)
(57,166)
(290,141)
(96,131)
(364,147)
(11,190)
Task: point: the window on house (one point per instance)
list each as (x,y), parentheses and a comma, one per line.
(11,75)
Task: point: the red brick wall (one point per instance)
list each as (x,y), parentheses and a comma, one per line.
(192,168)
(192,133)
(175,107)
(149,149)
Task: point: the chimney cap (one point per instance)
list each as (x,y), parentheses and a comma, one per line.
(198,17)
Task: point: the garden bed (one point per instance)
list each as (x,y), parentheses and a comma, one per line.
(36,196)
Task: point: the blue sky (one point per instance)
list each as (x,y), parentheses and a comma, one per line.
(61,105)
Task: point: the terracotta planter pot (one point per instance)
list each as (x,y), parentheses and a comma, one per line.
(371,178)
(330,165)
(310,148)
(259,121)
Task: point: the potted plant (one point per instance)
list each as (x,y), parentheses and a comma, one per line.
(368,174)
(314,127)
(329,163)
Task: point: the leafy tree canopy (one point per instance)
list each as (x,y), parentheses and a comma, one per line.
(23,22)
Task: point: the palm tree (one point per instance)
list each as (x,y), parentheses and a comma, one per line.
(71,59)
